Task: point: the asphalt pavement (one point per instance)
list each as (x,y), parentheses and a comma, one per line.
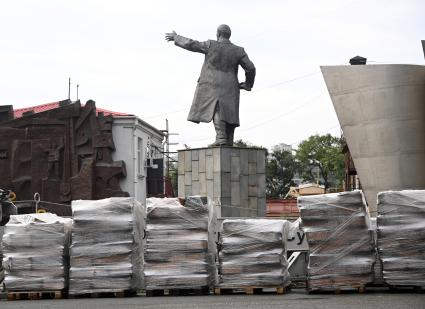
(294,300)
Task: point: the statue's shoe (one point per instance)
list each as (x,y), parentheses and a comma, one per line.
(218,144)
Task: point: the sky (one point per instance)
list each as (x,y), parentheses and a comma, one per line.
(116,52)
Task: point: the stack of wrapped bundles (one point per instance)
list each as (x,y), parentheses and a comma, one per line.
(401,237)
(35,250)
(252,253)
(106,253)
(1,254)
(176,250)
(342,251)
(377,268)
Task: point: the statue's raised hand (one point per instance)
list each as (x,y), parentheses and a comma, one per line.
(170,36)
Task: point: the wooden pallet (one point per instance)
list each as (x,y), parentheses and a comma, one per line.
(178,292)
(250,290)
(338,290)
(34,295)
(406,288)
(104,294)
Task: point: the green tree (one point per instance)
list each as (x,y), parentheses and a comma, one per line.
(322,153)
(280,170)
(246,144)
(241,143)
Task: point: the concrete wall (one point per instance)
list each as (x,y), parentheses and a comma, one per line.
(381,109)
(126,131)
(234,177)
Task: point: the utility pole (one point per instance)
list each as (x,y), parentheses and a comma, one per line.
(167,149)
(69,88)
(167,152)
(77,90)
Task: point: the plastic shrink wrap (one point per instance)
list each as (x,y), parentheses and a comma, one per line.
(401,237)
(177,238)
(1,255)
(35,249)
(252,252)
(342,252)
(106,253)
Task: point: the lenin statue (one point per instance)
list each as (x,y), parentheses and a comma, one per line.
(217,93)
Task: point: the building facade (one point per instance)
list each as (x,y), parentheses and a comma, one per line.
(140,146)
(67,151)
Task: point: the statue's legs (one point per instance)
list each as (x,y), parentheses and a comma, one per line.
(220,130)
(230,132)
(224,131)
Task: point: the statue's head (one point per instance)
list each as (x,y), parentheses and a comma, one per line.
(224,31)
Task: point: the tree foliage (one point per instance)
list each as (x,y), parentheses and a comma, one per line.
(247,144)
(241,143)
(280,170)
(322,152)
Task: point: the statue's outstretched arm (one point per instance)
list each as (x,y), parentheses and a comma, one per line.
(186,43)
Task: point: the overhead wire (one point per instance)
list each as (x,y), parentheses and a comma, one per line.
(319,133)
(286,113)
(165,153)
(167,113)
(287,81)
(308,101)
(283,82)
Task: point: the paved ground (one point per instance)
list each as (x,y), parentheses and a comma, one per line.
(296,299)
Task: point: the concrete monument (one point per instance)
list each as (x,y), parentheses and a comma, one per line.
(423,46)
(233,177)
(217,93)
(382,113)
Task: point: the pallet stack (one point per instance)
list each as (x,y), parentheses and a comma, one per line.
(176,251)
(401,237)
(35,248)
(1,254)
(106,251)
(342,251)
(252,254)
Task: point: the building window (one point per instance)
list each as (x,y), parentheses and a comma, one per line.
(140,163)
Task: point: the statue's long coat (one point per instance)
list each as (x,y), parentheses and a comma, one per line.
(218,82)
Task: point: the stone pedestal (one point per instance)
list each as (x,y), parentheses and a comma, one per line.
(234,177)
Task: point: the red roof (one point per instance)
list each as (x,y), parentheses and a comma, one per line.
(45,107)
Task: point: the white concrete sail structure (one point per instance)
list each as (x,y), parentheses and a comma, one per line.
(381,109)
(423,46)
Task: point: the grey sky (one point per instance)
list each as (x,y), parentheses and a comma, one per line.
(117,53)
